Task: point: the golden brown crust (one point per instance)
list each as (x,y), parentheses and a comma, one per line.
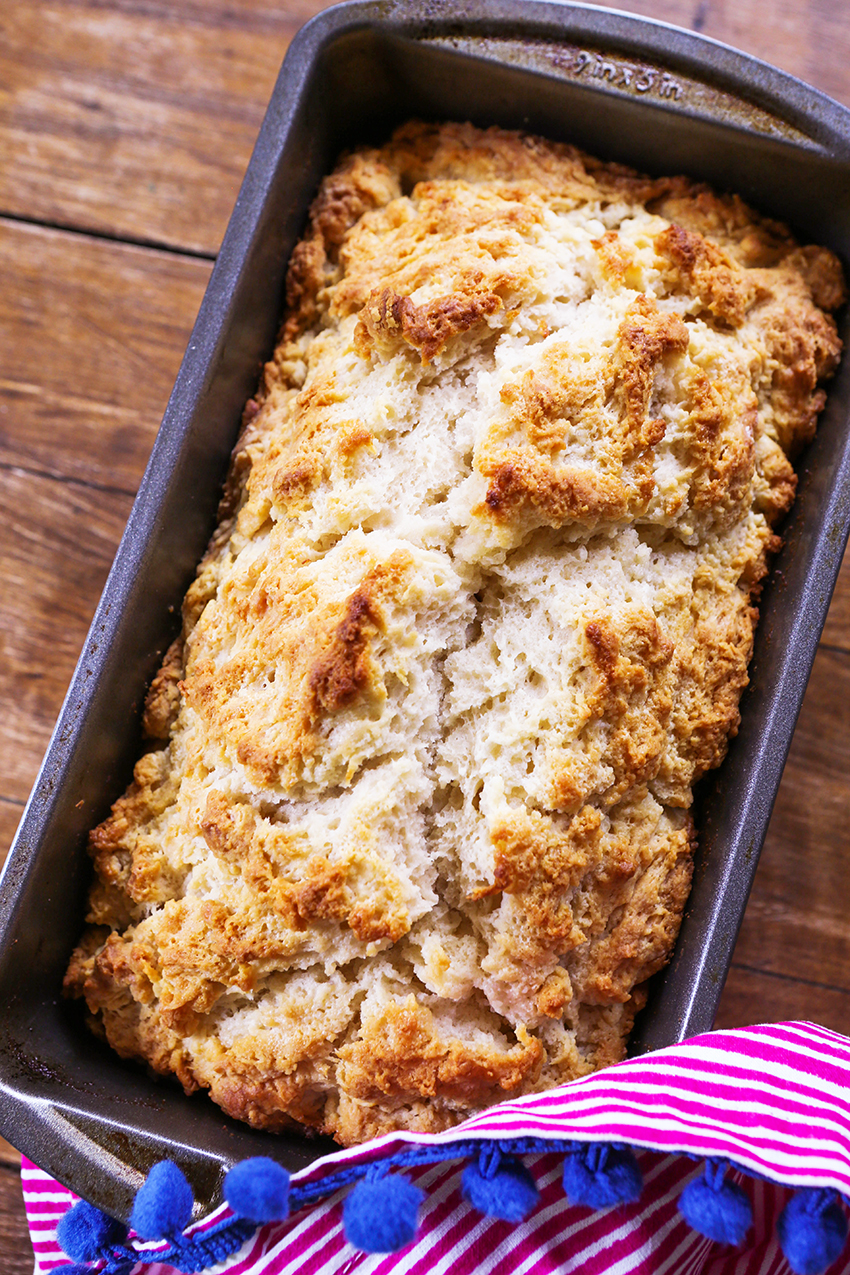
(477,614)
(400,1055)
(163,698)
(704,271)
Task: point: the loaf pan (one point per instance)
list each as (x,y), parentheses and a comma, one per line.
(660,99)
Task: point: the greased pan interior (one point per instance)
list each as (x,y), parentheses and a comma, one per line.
(660,99)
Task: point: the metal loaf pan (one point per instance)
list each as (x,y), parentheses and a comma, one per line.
(660,99)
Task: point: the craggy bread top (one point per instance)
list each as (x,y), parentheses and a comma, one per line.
(413,831)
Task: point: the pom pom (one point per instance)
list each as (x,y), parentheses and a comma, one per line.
(69,1269)
(601,1174)
(717,1209)
(499,1186)
(164,1204)
(85,1231)
(812,1231)
(380,1214)
(258,1189)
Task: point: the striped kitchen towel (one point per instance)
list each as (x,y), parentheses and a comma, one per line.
(759,1116)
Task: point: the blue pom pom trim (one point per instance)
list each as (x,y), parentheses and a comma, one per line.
(163,1207)
(716,1208)
(602,1174)
(812,1230)
(85,1231)
(499,1186)
(380,1214)
(258,1189)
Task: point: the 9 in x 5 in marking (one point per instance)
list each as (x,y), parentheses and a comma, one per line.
(639,79)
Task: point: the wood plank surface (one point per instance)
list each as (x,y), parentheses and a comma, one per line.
(836,633)
(796,932)
(11,811)
(91,337)
(125,127)
(57,542)
(135,119)
(16,1253)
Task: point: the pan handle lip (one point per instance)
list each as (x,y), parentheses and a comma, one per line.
(757,85)
(89,1152)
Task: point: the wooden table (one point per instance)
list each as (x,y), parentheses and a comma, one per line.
(125,127)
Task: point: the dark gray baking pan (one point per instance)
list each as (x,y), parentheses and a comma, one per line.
(660,99)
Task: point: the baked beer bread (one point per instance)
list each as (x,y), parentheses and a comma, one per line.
(412,830)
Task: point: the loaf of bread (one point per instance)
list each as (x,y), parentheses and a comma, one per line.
(413,827)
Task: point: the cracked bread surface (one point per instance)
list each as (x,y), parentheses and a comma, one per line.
(413,827)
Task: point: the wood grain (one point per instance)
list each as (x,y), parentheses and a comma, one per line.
(91,337)
(135,119)
(797,927)
(128,123)
(10,816)
(16,1255)
(753,995)
(57,541)
(836,632)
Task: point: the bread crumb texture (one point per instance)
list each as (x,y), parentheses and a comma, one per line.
(413,830)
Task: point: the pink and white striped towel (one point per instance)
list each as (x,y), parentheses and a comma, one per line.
(773,1099)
